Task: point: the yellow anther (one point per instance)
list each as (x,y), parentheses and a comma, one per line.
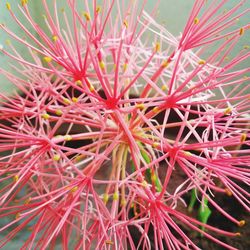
(15,178)
(187,153)
(243,137)
(125,22)
(226,58)
(125,66)
(56,157)
(62,10)
(47,59)
(45,116)
(109,242)
(246,47)
(66,101)
(196,20)
(242,31)
(116,196)
(74,99)
(18,215)
(98,9)
(74,189)
(241,223)
(237,234)
(144,184)
(91,88)
(24,2)
(201,62)
(79,158)
(228,192)
(157,47)
(164,87)
(165,63)
(27,201)
(140,106)
(156,109)
(86,15)
(155,144)
(54,38)
(8,6)
(67,137)
(123,202)
(102,65)
(153,178)
(105,198)
(8,42)
(59,112)
(78,83)
(227,111)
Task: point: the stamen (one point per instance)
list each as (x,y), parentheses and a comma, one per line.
(56,157)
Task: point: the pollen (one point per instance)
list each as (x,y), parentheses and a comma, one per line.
(105,198)
(86,15)
(98,9)
(66,101)
(228,192)
(157,47)
(102,65)
(24,2)
(27,201)
(116,196)
(196,20)
(91,88)
(47,59)
(243,137)
(156,109)
(201,62)
(78,83)
(187,153)
(15,178)
(109,242)
(67,137)
(123,202)
(8,42)
(155,144)
(46,116)
(153,178)
(144,184)
(165,64)
(242,31)
(227,111)
(164,87)
(125,66)
(8,6)
(125,22)
(59,112)
(241,223)
(56,157)
(74,99)
(54,38)
(140,106)
(18,215)
(74,189)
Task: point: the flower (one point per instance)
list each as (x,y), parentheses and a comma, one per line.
(107,118)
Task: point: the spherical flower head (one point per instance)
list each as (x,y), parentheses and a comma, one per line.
(115,122)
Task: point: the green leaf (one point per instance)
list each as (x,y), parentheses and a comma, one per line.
(204,213)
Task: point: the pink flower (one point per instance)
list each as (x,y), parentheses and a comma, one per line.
(106,120)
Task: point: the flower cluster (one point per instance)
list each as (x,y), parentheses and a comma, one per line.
(105,116)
